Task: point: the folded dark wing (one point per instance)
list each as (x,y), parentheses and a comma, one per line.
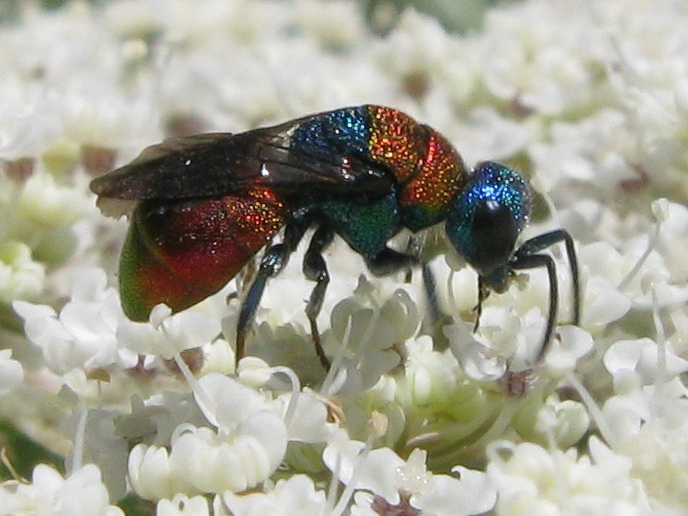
(218,164)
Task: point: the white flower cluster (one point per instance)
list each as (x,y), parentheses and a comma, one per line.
(588,99)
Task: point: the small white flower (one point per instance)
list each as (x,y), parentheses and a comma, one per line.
(21,277)
(605,267)
(371,470)
(296,496)
(467,491)
(644,392)
(642,358)
(308,423)
(531,480)
(562,422)
(564,352)
(11,372)
(503,334)
(393,482)
(494,135)
(152,474)
(417,44)
(429,376)
(30,119)
(373,323)
(477,360)
(288,344)
(214,463)
(648,430)
(457,283)
(218,357)
(324,22)
(222,410)
(673,240)
(245,448)
(47,204)
(531,53)
(603,303)
(584,151)
(182,505)
(166,334)
(83,334)
(102,446)
(647,417)
(154,420)
(79,494)
(658,456)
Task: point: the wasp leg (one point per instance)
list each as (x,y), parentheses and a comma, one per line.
(388,261)
(542,260)
(526,257)
(274,259)
(413,250)
(540,242)
(430,288)
(483,294)
(315,269)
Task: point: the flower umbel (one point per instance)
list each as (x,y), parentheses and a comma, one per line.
(588,100)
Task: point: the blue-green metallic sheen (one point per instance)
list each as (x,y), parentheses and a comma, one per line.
(366,227)
(493,183)
(345,131)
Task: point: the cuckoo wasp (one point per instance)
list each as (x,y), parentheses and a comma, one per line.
(205,205)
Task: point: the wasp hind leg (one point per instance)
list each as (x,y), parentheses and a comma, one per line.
(315,269)
(273,261)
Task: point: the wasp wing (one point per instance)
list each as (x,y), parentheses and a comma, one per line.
(218,164)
